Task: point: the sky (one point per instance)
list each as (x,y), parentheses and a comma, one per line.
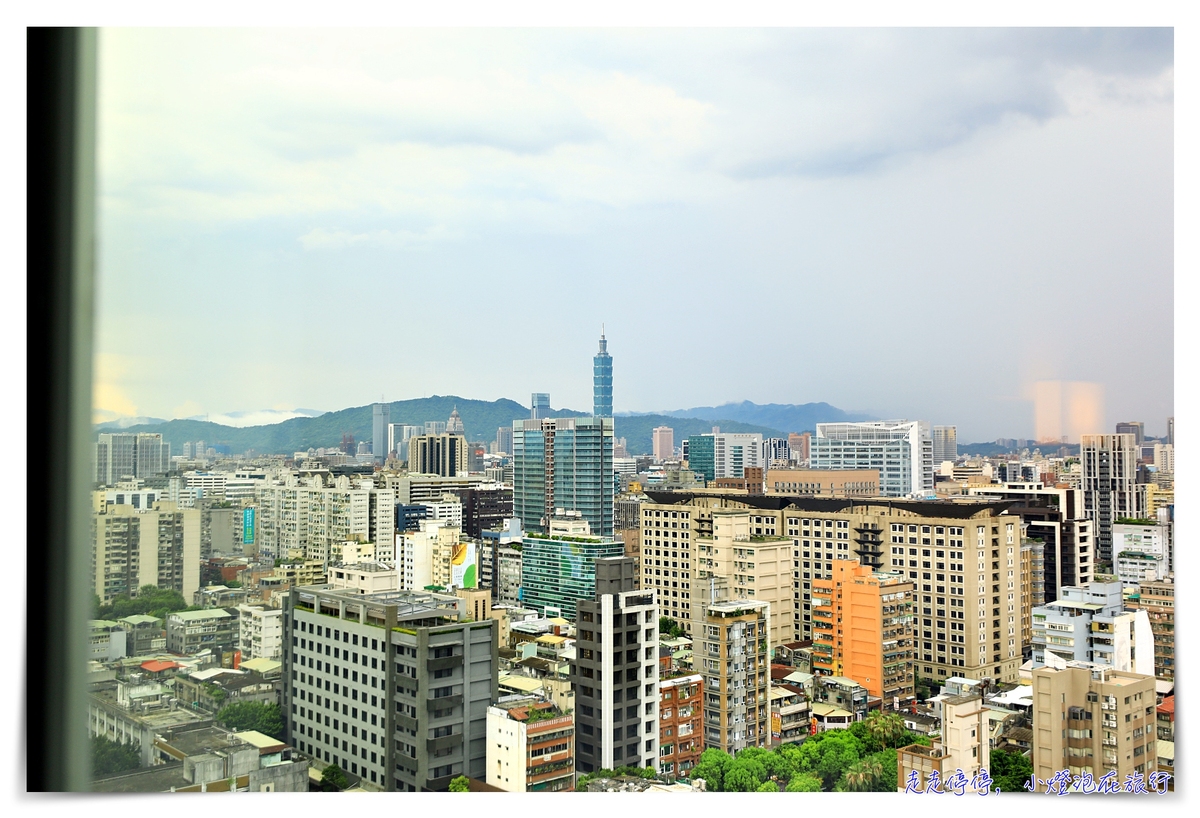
(918,223)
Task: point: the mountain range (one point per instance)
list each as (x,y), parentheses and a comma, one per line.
(480,420)
(781,417)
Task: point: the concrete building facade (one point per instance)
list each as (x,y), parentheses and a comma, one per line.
(615,674)
(393,687)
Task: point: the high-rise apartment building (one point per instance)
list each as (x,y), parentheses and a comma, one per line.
(1056,517)
(602,404)
(1157,599)
(312,520)
(381,421)
(615,674)
(444,455)
(1109,483)
(1090,624)
(901,450)
(504,440)
(963,556)
(731,651)
(124,456)
(1171,430)
(1133,427)
(539,406)
(724,454)
(776,452)
(753,566)
(531,746)
(559,570)
(945,444)
(1092,719)
(663,439)
(863,629)
(800,445)
(132,548)
(393,687)
(485,508)
(564,463)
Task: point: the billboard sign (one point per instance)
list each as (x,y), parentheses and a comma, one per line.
(248,526)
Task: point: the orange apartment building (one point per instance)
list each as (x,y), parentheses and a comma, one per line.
(863,629)
(680,724)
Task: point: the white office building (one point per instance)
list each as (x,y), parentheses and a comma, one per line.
(901,450)
(1089,624)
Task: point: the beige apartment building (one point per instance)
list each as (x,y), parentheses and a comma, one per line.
(134,547)
(732,654)
(1089,718)
(963,744)
(756,567)
(963,557)
(823,482)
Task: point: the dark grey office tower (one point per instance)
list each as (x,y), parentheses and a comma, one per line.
(393,687)
(615,672)
(1133,427)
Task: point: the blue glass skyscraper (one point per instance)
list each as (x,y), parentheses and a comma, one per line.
(602,381)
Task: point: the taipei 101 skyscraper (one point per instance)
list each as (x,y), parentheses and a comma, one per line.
(602,381)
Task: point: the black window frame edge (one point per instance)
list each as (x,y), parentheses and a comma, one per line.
(61,222)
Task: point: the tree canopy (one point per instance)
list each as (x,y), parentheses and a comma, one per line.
(260,716)
(669,627)
(460,783)
(150,600)
(1010,771)
(110,757)
(333,779)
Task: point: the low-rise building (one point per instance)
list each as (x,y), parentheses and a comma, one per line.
(106,641)
(531,746)
(189,632)
(211,759)
(144,634)
(791,714)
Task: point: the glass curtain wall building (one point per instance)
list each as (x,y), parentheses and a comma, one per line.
(602,406)
(559,571)
(563,463)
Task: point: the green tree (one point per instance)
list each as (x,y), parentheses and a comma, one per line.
(1009,771)
(805,782)
(768,786)
(863,775)
(260,716)
(746,773)
(669,627)
(333,779)
(711,767)
(460,784)
(886,729)
(110,757)
(828,755)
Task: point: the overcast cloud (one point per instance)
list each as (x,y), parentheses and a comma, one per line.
(914,223)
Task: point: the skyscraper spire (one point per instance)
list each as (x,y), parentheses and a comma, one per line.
(602,380)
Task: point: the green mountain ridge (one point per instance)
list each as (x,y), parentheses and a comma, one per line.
(480,420)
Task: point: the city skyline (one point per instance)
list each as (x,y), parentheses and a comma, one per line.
(981,192)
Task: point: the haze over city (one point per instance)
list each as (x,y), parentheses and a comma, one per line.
(904,223)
